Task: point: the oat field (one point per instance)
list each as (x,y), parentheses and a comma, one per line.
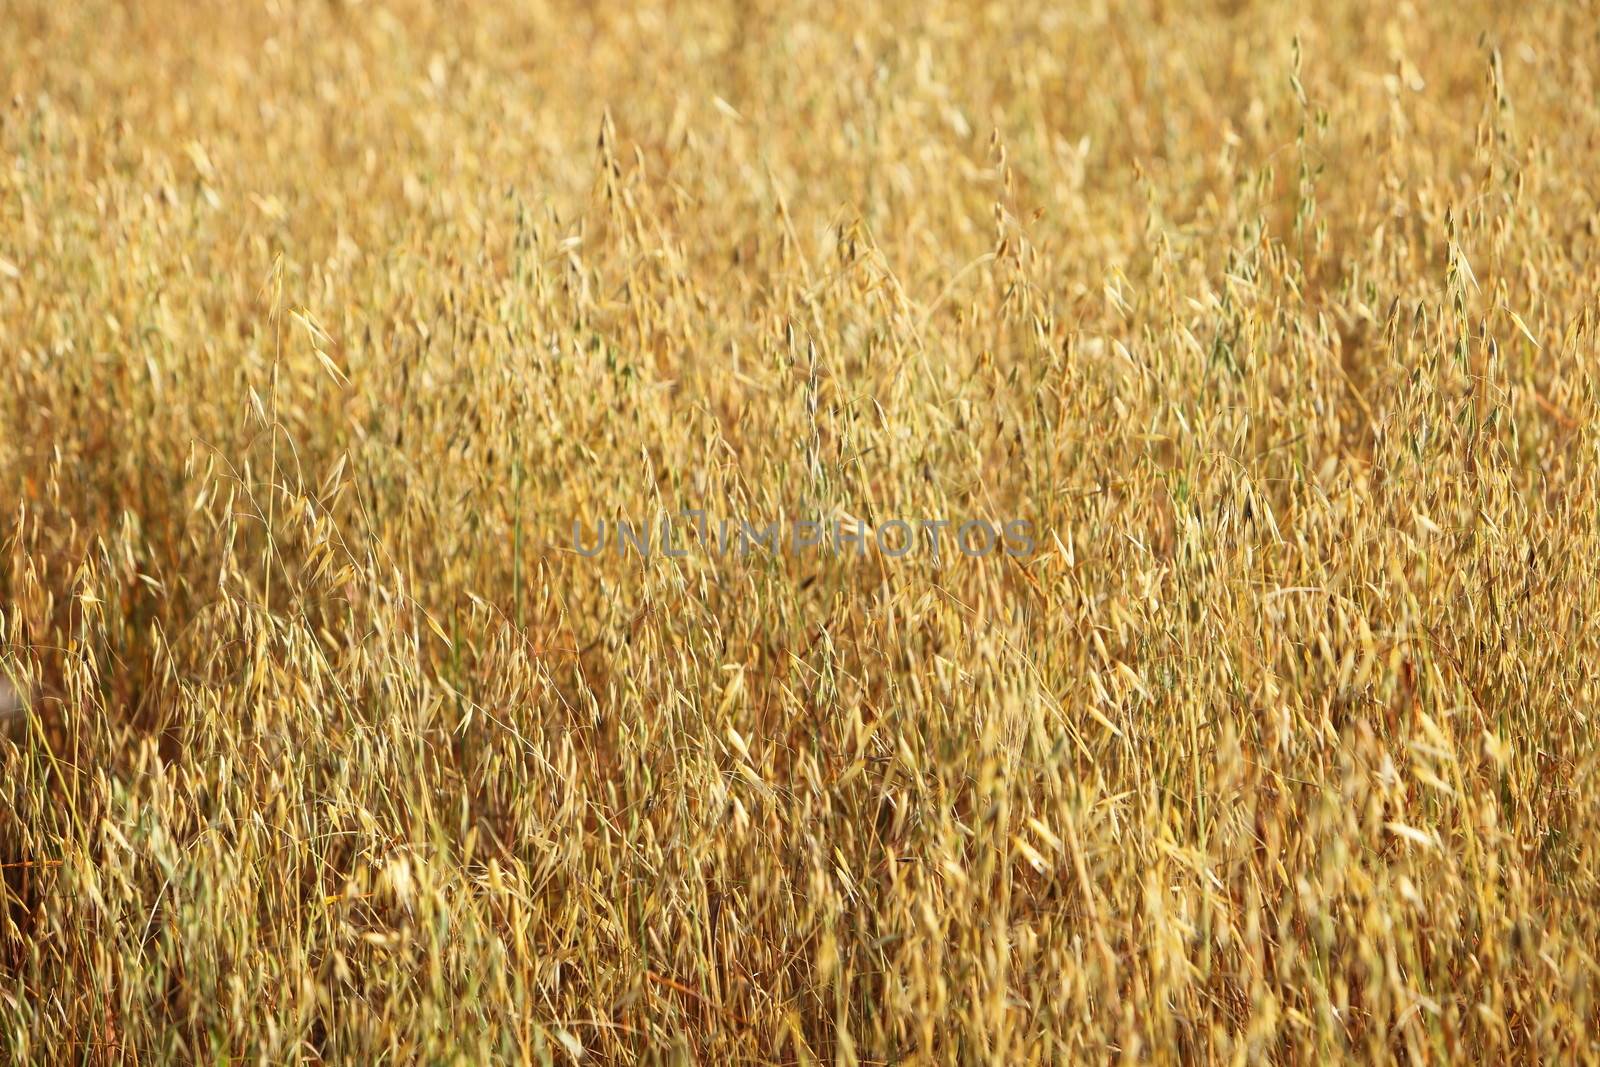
(326,325)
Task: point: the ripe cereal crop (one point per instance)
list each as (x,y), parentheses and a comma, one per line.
(1254,344)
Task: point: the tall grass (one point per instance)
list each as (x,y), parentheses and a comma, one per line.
(321,323)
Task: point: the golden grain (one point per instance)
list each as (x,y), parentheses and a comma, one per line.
(321,324)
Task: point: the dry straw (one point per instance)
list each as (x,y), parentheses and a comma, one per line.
(320,322)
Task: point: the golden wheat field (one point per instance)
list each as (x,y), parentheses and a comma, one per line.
(334,335)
